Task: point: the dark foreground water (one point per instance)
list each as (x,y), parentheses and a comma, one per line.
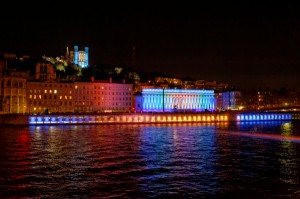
(226,160)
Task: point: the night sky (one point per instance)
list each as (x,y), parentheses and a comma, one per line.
(246,45)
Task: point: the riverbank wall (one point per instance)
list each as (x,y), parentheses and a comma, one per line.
(147,118)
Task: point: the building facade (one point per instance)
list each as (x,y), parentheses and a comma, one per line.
(49,97)
(12,95)
(102,97)
(229,100)
(44,71)
(78,97)
(176,100)
(81,58)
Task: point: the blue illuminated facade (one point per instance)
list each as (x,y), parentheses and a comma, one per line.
(177,100)
(81,58)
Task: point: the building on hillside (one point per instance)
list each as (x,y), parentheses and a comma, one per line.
(170,81)
(176,100)
(81,57)
(188,85)
(45,72)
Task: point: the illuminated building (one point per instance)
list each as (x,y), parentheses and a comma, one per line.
(81,58)
(172,100)
(229,100)
(52,97)
(12,94)
(80,97)
(102,97)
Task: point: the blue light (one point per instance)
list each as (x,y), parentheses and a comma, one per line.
(60,120)
(46,119)
(170,100)
(53,119)
(87,119)
(32,120)
(74,119)
(66,119)
(39,119)
(265,116)
(81,58)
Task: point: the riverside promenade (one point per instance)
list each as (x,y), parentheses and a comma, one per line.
(145,118)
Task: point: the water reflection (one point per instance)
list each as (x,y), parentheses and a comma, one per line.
(288,157)
(139,161)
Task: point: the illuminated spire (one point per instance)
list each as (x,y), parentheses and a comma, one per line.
(67,53)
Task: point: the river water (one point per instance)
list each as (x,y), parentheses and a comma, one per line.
(203,160)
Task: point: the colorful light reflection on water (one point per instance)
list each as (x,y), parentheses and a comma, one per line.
(185,160)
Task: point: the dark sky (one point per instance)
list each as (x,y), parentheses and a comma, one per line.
(248,45)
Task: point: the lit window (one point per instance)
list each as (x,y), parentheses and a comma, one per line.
(76,87)
(30,96)
(45,91)
(60,97)
(55,91)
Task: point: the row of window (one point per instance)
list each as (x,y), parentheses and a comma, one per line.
(104,87)
(10,83)
(50,85)
(50,91)
(81,103)
(103,93)
(49,97)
